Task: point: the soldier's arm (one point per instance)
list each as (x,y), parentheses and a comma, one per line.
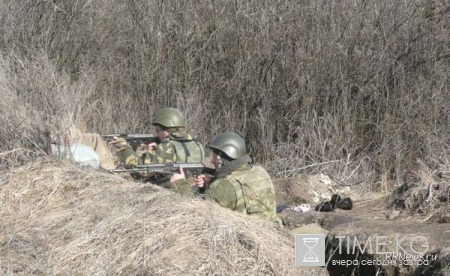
(163,153)
(222,192)
(128,157)
(131,159)
(183,187)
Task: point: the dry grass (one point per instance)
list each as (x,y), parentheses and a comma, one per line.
(427,194)
(56,218)
(351,88)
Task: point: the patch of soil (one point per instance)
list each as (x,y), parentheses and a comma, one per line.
(292,191)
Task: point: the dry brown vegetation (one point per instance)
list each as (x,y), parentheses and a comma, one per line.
(357,89)
(59,219)
(428,197)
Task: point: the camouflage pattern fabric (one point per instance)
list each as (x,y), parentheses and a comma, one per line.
(169,150)
(187,149)
(241,187)
(248,190)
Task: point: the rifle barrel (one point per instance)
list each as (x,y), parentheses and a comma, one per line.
(170,168)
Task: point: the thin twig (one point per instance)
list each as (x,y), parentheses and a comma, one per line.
(8,152)
(309,166)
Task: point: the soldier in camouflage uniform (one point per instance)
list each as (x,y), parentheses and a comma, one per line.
(237,184)
(175,146)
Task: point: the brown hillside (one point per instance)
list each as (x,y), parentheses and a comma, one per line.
(56,218)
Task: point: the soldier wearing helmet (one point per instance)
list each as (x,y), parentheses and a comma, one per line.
(175,146)
(238,184)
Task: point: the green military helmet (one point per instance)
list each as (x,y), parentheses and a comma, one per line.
(168,118)
(229,143)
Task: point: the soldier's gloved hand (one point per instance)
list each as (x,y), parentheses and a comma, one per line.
(118,142)
(202,181)
(177,176)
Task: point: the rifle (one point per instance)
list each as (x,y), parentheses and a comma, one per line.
(134,139)
(190,169)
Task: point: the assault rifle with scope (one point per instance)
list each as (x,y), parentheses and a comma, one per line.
(190,169)
(134,139)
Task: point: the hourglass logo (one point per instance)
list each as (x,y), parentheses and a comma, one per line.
(309,250)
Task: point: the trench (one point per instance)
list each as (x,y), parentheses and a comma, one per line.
(357,264)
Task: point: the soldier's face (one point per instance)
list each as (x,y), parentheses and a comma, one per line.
(216,161)
(160,133)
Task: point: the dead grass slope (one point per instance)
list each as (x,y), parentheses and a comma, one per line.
(56,218)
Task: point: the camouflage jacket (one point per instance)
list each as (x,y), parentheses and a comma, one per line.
(239,186)
(178,147)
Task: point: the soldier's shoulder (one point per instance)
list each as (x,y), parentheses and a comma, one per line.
(257,168)
(182,136)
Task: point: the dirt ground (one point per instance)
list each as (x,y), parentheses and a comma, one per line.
(371,216)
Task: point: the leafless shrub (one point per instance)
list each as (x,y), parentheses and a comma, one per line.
(427,195)
(356,89)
